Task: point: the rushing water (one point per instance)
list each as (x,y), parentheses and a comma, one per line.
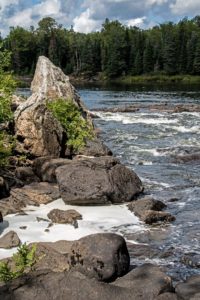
(148,142)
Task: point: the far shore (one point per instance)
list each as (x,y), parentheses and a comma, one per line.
(25,80)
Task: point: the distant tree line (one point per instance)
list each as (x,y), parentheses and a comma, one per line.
(116,50)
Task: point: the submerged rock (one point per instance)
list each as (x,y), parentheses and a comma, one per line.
(10,240)
(97,181)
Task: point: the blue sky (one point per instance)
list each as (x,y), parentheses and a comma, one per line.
(88,15)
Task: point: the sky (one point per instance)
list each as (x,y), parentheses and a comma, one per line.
(88,15)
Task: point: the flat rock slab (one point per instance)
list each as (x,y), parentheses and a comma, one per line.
(10,240)
(70,216)
(33,194)
(97,181)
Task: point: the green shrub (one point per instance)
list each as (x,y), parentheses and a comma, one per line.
(75,126)
(24,259)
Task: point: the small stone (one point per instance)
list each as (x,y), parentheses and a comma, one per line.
(65,217)
(10,240)
(41,219)
(23,227)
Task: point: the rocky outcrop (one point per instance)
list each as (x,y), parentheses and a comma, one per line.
(101,256)
(143,283)
(150,211)
(10,240)
(190,289)
(97,181)
(70,216)
(38,132)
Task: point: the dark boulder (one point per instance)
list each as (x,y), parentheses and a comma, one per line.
(103,256)
(97,181)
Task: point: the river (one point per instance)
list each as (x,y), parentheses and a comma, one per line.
(148,143)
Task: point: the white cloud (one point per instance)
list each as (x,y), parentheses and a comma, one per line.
(6,3)
(185,7)
(84,22)
(136,22)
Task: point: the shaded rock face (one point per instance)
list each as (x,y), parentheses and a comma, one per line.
(65,216)
(189,290)
(38,132)
(101,256)
(26,175)
(97,181)
(73,285)
(10,240)
(45,167)
(4,188)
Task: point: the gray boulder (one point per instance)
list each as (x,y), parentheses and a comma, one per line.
(103,256)
(97,181)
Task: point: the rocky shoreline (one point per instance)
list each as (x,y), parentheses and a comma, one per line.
(96,266)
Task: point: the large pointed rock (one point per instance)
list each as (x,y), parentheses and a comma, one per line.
(52,83)
(38,132)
